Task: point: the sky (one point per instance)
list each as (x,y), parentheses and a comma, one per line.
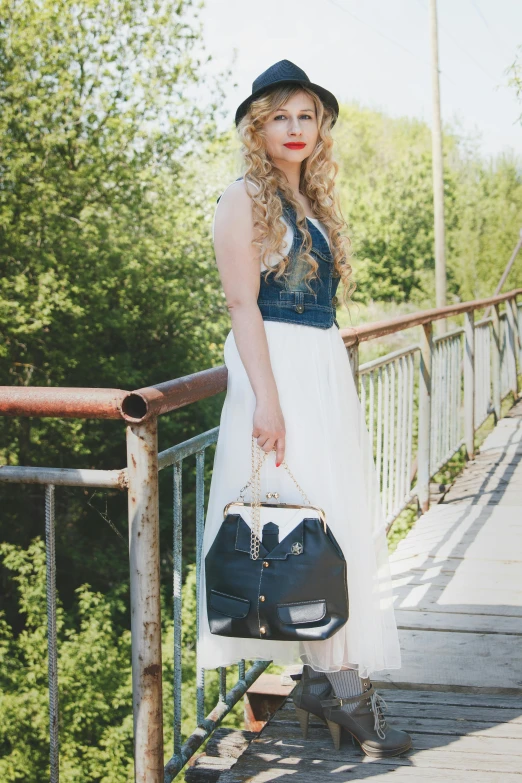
(377,52)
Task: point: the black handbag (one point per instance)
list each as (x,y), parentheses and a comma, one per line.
(286,584)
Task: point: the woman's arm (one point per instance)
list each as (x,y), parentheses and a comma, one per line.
(239,269)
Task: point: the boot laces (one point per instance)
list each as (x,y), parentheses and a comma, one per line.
(378,705)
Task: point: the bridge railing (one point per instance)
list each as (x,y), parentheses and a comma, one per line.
(420,404)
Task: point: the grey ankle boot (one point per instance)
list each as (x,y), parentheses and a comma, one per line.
(366,723)
(307,697)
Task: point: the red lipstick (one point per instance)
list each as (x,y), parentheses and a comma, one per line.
(295,145)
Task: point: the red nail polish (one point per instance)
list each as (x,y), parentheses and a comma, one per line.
(277,464)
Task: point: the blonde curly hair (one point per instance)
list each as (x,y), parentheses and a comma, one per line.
(318,173)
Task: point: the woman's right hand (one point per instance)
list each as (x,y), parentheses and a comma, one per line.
(269,429)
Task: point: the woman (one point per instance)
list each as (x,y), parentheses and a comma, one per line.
(281,255)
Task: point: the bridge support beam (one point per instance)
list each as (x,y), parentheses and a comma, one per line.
(424,447)
(513,347)
(469,383)
(144,557)
(353,356)
(495,362)
(518,337)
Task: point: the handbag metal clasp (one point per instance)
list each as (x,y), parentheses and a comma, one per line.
(320,513)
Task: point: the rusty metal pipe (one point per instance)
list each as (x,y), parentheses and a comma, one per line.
(359,334)
(69,477)
(144,558)
(164,397)
(61,402)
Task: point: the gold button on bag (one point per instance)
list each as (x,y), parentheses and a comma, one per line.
(335,301)
(299,308)
(261,597)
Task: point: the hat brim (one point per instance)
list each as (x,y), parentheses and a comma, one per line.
(325,95)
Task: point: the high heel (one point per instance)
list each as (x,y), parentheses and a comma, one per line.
(303,716)
(335,731)
(306,702)
(365,723)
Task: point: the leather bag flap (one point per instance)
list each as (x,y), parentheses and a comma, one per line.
(302,612)
(229,605)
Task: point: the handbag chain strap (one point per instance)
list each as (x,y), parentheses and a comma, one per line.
(255,480)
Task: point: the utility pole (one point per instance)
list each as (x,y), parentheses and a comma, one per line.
(438,174)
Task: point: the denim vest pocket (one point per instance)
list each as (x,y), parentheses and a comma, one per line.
(296,300)
(320,254)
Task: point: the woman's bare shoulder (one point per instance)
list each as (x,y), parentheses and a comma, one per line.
(237,193)
(234,209)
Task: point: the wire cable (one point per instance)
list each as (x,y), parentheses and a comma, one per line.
(457,44)
(388,38)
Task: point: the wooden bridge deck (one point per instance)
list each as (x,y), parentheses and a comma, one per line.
(458,598)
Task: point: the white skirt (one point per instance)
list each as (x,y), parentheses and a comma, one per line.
(328,451)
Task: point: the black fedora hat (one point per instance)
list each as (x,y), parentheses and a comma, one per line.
(285,72)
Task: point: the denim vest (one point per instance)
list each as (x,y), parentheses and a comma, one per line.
(290,300)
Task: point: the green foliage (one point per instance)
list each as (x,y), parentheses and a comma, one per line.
(94,675)
(107,275)
(385,180)
(489,200)
(94,683)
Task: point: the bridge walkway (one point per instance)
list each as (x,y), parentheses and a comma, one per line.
(458,598)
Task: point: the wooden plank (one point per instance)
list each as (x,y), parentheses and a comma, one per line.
(450,698)
(418,563)
(436,712)
(431,567)
(462,659)
(511,496)
(479,527)
(207,769)
(467,600)
(318,745)
(487,544)
(506,436)
(228,743)
(270,685)
(463,599)
(316,770)
(440,752)
(498,576)
(414,619)
(455,726)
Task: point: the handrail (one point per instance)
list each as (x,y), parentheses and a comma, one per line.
(136,407)
(61,401)
(358,334)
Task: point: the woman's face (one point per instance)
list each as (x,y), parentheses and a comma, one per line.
(291,131)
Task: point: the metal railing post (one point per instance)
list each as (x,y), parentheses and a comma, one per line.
(495,361)
(518,321)
(469,383)
(514,340)
(353,355)
(424,443)
(144,557)
(52,643)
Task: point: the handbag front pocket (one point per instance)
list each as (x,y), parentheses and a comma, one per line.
(229,605)
(301,612)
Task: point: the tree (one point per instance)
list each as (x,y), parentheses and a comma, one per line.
(106,266)
(386,190)
(94,676)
